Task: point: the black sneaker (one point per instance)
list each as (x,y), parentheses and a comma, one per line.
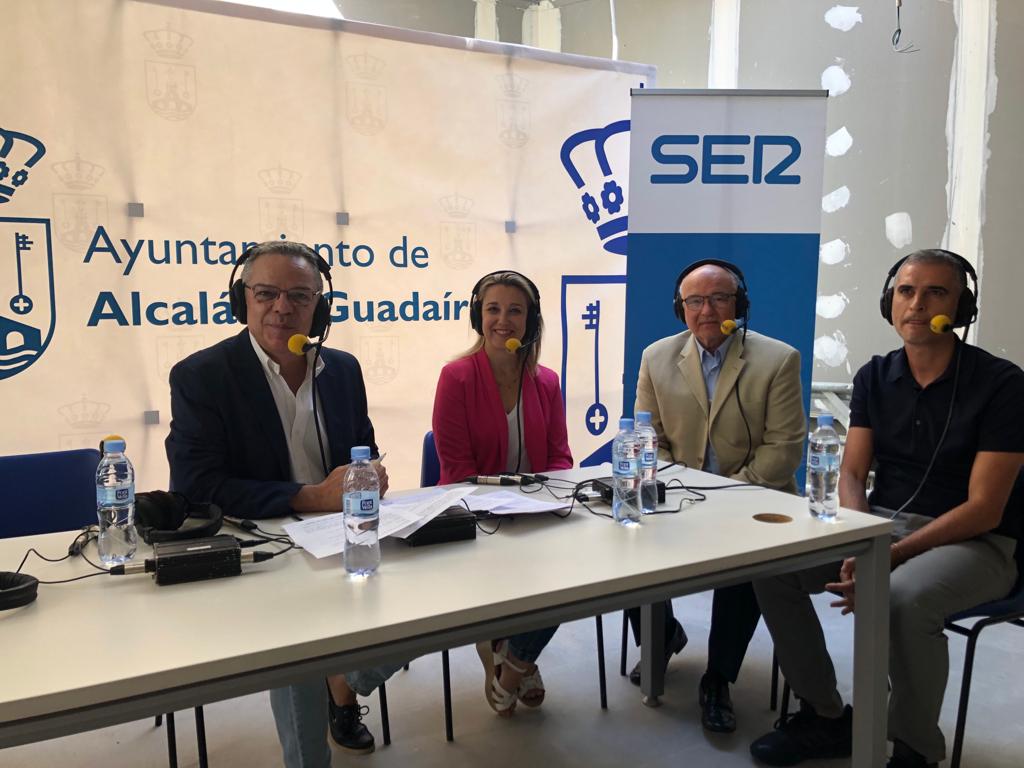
(805,735)
(347,728)
(678,642)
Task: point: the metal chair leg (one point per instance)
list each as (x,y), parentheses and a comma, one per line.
(965,693)
(449,732)
(602,681)
(773,700)
(625,639)
(159,721)
(385,723)
(201,738)
(172,742)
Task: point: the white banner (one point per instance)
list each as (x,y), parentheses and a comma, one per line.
(143,146)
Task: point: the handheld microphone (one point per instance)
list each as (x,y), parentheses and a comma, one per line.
(941,324)
(729,327)
(506,479)
(299,344)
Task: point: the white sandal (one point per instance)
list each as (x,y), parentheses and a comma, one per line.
(501,701)
(530,684)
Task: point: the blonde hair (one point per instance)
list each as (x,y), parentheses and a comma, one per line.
(513,280)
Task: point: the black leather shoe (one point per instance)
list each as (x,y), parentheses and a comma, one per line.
(347,728)
(904,756)
(805,735)
(678,642)
(716,712)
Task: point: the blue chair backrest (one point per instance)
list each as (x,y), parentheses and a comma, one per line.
(47,492)
(430,465)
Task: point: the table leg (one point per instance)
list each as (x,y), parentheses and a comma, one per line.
(652,653)
(871,656)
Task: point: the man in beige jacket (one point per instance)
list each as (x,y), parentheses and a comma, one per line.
(726,400)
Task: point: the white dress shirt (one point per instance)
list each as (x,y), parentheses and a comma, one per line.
(296,413)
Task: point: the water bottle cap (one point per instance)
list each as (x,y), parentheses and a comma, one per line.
(643,417)
(826,420)
(360,453)
(625,423)
(113,444)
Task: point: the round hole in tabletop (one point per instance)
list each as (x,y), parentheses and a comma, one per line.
(772,517)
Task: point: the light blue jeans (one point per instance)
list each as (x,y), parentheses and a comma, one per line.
(300,714)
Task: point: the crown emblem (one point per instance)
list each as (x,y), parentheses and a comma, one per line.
(512,85)
(84,413)
(167,43)
(457,206)
(365,66)
(78,173)
(279,180)
(608,216)
(14,174)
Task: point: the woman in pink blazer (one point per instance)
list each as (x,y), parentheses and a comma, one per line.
(496,410)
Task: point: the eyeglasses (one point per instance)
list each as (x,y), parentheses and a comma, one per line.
(299,297)
(717,300)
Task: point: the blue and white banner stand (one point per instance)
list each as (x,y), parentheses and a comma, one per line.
(725,174)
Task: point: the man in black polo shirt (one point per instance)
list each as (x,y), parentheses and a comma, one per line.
(945,422)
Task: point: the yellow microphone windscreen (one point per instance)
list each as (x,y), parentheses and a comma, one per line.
(296,343)
(728,327)
(513,344)
(941,324)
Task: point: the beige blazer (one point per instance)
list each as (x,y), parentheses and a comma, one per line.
(763,372)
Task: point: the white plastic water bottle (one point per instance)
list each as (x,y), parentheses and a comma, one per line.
(823,470)
(648,440)
(115,504)
(361,504)
(626,475)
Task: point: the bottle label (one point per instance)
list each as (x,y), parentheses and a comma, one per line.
(115,495)
(823,461)
(648,459)
(625,466)
(362,503)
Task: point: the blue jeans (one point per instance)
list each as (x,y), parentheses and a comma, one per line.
(528,645)
(300,714)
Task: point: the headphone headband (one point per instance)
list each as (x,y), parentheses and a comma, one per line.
(533,315)
(967,305)
(321,313)
(742,295)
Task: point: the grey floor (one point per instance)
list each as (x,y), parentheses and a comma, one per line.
(570,729)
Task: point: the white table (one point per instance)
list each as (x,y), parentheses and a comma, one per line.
(112,649)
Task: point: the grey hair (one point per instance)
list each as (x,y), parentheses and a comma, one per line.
(285,248)
(939,256)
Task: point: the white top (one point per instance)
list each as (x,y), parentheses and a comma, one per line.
(296,412)
(515,425)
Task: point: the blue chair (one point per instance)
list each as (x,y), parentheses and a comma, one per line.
(48,492)
(1009,610)
(54,492)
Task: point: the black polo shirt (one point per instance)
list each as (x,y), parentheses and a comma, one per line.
(907,421)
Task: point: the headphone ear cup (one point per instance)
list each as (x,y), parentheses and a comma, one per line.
(236,298)
(885,305)
(966,309)
(321,316)
(476,316)
(742,304)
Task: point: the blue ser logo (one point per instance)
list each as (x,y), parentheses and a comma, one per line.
(712,153)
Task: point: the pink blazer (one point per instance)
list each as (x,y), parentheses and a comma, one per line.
(471,428)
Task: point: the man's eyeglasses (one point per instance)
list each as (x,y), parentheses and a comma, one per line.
(719,300)
(299,297)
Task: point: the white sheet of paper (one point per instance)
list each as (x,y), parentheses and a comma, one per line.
(325,536)
(508,503)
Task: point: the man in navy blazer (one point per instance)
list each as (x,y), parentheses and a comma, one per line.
(244,436)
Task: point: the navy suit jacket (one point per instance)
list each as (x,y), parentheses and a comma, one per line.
(227,444)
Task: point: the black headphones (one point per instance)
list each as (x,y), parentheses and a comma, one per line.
(162,516)
(17,589)
(966,307)
(322,313)
(742,298)
(476,310)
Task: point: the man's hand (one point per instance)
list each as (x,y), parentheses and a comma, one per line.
(325,496)
(845,587)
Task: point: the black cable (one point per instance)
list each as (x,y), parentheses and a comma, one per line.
(519,412)
(315,390)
